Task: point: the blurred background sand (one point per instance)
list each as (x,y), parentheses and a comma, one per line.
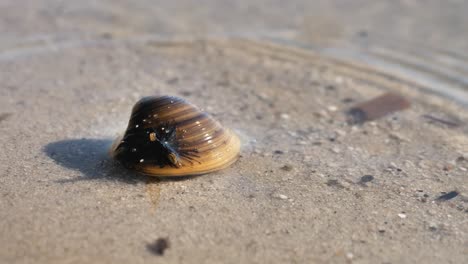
(279,73)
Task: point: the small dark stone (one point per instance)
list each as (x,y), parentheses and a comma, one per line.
(287,168)
(448,167)
(279,152)
(347,100)
(356,116)
(447,196)
(366,178)
(159,246)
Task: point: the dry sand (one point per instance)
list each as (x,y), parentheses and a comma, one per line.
(302,191)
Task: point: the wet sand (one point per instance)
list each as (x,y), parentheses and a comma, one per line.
(308,187)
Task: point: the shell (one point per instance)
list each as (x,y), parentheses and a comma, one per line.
(167,136)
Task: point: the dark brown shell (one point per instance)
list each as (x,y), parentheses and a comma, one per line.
(167,136)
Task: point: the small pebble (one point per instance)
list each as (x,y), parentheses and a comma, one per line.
(332,108)
(330,87)
(366,178)
(281,196)
(461,159)
(284,116)
(448,167)
(402,216)
(159,246)
(336,150)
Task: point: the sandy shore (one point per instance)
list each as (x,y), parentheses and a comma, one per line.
(308,188)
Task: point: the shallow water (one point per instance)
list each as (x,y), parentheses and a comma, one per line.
(308,187)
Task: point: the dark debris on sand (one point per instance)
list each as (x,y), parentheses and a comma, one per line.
(159,246)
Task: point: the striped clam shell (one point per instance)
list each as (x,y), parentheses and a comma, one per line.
(167,136)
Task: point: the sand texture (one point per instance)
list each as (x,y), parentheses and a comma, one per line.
(308,187)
